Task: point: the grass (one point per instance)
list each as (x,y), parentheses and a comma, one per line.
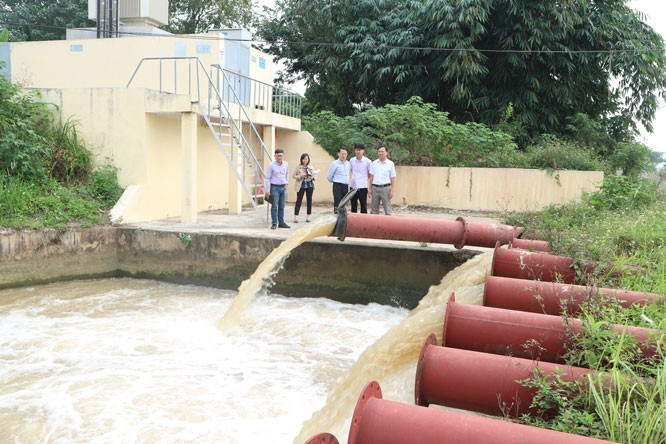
(622,228)
(52,204)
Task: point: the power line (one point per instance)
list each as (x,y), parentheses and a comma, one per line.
(351,45)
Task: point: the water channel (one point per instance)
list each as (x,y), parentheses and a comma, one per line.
(139,361)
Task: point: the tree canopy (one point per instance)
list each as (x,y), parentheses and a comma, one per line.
(197,16)
(30,20)
(546,61)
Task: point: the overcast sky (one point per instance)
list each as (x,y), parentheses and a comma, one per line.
(655,11)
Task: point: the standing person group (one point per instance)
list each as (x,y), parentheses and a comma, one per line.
(277,179)
(382,181)
(375,180)
(360,173)
(338,175)
(304,175)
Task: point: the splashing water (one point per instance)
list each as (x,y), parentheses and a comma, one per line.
(262,278)
(133,366)
(139,361)
(392,359)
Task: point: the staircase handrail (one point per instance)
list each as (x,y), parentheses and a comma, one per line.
(294,111)
(212,87)
(245,113)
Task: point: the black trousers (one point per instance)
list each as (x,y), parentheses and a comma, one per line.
(299,200)
(362,197)
(339,191)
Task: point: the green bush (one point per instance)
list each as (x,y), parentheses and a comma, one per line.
(416,134)
(67,156)
(551,153)
(46,171)
(631,159)
(103,185)
(24,123)
(620,192)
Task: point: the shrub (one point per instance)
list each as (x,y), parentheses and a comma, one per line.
(416,134)
(551,153)
(67,156)
(103,185)
(619,192)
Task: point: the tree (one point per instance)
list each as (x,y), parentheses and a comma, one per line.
(197,16)
(476,58)
(31,20)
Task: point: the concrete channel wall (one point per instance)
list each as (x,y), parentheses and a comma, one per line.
(396,275)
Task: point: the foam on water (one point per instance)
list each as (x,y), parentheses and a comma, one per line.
(136,361)
(262,278)
(392,359)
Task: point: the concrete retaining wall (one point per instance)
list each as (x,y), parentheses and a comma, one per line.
(387,275)
(37,257)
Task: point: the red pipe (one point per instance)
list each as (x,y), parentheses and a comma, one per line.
(538,266)
(388,422)
(530,245)
(455,232)
(322,438)
(553,298)
(487,235)
(523,334)
(481,382)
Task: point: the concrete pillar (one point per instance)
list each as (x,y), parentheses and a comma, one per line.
(270,142)
(188,143)
(235,188)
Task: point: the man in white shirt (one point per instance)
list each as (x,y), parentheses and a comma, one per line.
(360,172)
(382,180)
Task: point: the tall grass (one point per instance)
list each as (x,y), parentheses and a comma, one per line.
(623,228)
(630,405)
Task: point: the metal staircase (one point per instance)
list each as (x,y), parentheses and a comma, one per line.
(221,106)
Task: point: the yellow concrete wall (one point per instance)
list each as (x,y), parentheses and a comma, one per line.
(256,72)
(96,63)
(481,189)
(296,143)
(146,147)
(491,189)
(141,132)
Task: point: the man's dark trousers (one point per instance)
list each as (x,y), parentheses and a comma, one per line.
(362,197)
(339,191)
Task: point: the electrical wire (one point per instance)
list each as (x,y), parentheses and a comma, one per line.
(350,45)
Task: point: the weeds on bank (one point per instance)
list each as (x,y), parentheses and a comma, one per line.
(622,229)
(625,401)
(25,204)
(47,174)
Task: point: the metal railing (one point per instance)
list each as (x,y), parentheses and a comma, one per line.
(226,127)
(260,95)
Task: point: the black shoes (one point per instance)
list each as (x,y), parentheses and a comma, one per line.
(273,227)
(284,226)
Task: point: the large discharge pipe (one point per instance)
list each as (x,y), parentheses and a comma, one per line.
(322,438)
(483,382)
(524,334)
(458,232)
(377,420)
(530,245)
(554,298)
(521,264)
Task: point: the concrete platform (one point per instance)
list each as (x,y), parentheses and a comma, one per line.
(253,223)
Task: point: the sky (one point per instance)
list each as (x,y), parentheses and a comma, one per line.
(655,11)
(655,16)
